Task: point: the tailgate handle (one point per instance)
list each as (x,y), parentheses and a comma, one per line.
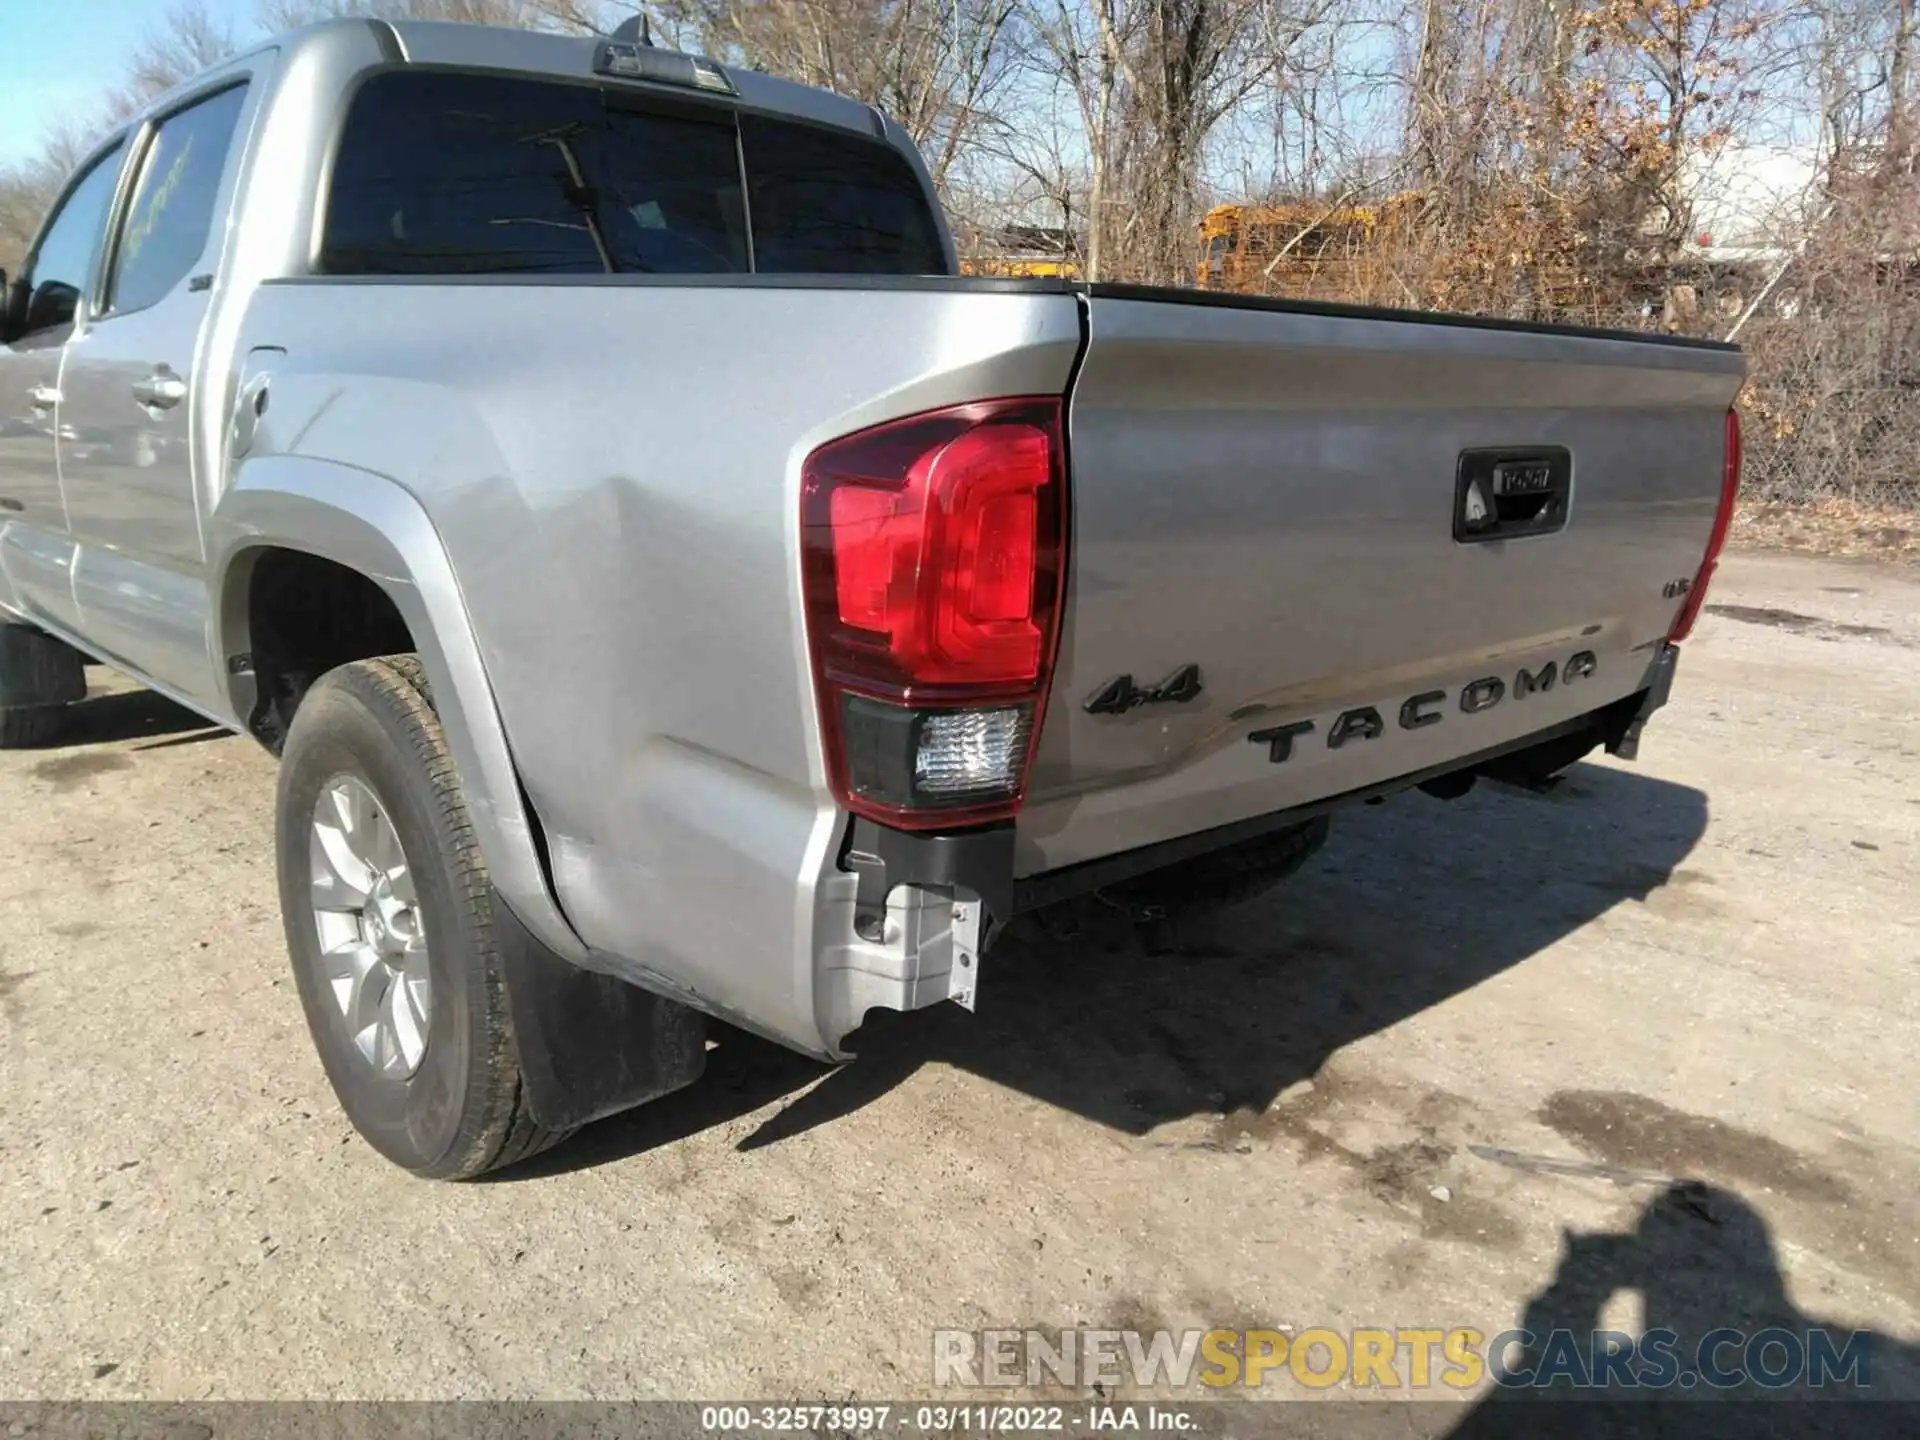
(1507,493)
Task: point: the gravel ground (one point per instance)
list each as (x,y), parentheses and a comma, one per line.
(1440,1078)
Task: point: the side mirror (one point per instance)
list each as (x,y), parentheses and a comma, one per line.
(13,308)
(53,303)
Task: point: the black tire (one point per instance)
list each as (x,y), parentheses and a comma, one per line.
(463,1111)
(39,677)
(24,726)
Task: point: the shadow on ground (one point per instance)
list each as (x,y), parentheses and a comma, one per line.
(1214,1014)
(1705,1266)
(130,715)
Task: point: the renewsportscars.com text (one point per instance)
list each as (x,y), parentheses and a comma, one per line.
(1402,1358)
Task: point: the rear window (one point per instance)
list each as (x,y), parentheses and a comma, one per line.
(826,202)
(446,173)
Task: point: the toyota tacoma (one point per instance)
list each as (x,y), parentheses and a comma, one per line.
(673,590)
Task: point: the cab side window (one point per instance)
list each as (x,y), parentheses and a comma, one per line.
(63,260)
(171,213)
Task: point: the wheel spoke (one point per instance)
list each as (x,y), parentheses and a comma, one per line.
(382,849)
(419,999)
(369,985)
(333,891)
(403,1027)
(386,1045)
(339,806)
(354,814)
(341,875)
(340,967)
(416,978)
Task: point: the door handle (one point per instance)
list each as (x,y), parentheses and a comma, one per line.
(44,397)
(161,390)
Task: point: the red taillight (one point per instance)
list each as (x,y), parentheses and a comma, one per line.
(932,563)
(1722,520)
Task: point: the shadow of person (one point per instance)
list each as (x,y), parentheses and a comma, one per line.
(1133,1025)
(1704,1262)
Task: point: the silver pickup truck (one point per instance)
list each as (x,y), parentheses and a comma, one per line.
(672,590)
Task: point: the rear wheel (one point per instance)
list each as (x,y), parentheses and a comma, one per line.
(389,920)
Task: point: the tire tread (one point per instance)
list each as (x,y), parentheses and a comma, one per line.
(498,1127)
(22,727)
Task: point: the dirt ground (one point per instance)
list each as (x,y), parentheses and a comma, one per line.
(1441,1078)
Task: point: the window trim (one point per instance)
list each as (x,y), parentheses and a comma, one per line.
(96,157)
(144,135)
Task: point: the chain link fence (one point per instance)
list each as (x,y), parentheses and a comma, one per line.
(1811,443)
(1832,404)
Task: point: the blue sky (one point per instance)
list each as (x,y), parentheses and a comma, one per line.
(58,56)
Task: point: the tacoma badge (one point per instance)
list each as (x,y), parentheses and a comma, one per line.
(1427,708)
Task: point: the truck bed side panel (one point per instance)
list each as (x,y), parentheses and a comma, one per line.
(614,469)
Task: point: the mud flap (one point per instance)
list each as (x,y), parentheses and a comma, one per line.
(590,1045)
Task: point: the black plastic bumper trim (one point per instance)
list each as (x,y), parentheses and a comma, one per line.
(1659,682)
(979,860)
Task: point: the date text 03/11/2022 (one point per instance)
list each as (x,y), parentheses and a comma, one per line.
(945,1419)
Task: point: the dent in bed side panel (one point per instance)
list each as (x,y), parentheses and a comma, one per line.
(366,522)
(618,493)
(697,874)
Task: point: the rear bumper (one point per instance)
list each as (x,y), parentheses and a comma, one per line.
(794,921)
(982,861)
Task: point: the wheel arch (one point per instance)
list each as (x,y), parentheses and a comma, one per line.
(370,525)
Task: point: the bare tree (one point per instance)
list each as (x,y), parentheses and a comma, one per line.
(188,40)
(1080,48)
(576,16)
(933,65)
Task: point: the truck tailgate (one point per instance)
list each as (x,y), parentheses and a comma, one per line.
(1269,494)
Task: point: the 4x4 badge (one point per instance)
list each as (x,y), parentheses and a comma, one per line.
(1120,694)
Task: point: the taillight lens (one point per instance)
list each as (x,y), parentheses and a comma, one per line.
(1716,542)
(932,551)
